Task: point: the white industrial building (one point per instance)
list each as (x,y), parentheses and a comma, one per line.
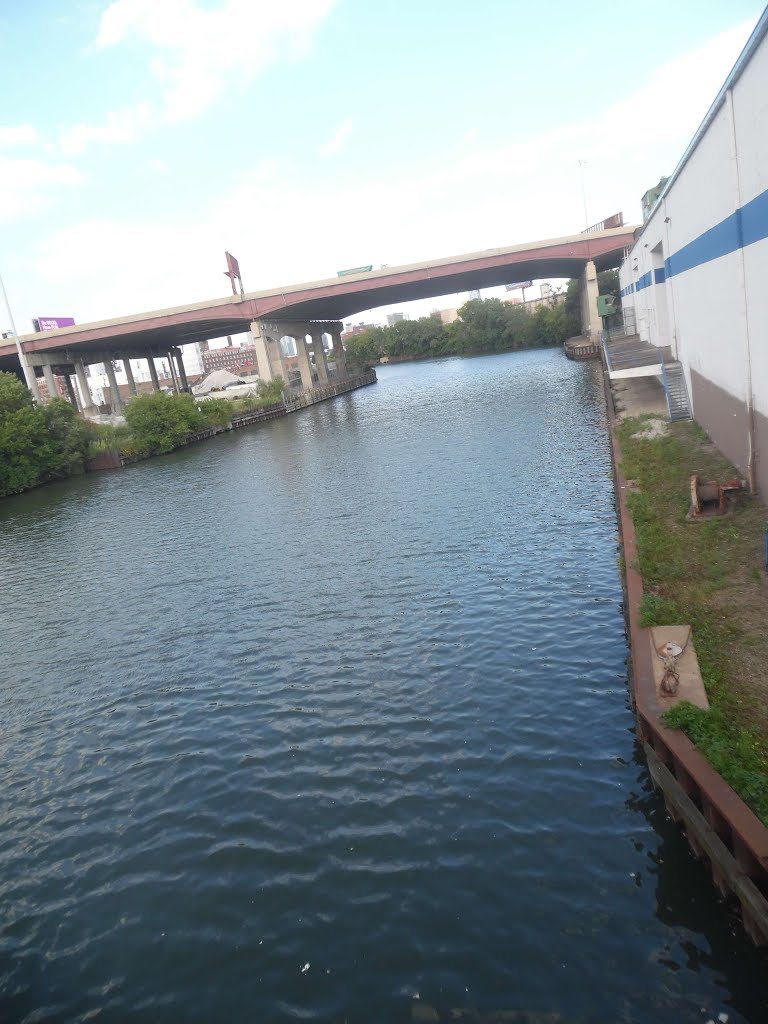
(696,278)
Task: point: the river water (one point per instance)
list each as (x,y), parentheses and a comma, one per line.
(327,720)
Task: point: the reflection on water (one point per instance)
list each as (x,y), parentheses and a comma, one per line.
(327,720)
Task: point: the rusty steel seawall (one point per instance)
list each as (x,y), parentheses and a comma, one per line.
(716,821)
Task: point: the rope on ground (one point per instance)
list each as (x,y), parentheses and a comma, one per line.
(670,680)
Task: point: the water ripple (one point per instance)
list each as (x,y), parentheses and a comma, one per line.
(309,719)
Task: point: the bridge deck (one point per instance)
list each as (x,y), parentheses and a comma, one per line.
(332,299)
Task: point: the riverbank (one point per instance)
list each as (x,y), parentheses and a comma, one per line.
(157,424)
(708,575)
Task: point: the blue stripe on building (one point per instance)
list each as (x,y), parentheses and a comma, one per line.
(747,225)
(754,219)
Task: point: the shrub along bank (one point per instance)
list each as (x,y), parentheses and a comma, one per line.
(709,574)
(40,444)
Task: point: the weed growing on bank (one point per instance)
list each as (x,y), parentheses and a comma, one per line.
(708,574)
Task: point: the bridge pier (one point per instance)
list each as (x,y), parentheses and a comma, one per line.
(305,367)
(338,351)
(86,401)
(50,381)
(129,376)
(591,325)
(182,371)
(269,352)
(115,400)
(319,353)
(71,391)
(153,371)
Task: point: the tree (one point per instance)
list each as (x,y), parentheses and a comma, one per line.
(29,451)
(485,326)
(608,284)
(365,348)
(159,422)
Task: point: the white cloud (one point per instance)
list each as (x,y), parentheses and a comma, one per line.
(199,53)
(18,135)
(339,138)
(196,55)
(492,197)
(26,186)
(120,127)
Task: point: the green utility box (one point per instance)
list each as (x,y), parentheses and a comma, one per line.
(605,305)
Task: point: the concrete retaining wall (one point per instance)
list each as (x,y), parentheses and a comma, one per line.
(718,824)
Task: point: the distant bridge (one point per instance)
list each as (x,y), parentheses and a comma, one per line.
(161,333)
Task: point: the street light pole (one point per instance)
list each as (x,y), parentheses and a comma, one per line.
(29,375)
(583,193)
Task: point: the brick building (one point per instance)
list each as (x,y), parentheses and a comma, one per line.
(233,358)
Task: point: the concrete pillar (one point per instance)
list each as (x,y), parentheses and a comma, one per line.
(129,375)
(182,370)
(50,380)
(320,364)
(115,400)
(269,351)
(305,366)
(153,371)
(339,353)
(591,324)
(86,402)
(71,391)
(172,369)
(275,354)
(262,356)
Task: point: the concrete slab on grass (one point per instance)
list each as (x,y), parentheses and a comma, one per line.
(691,686)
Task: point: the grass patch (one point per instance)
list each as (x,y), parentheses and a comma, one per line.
(734,751)
(707,574)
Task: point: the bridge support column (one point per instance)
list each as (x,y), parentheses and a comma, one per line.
(153,371)
(115,401)
(591,325)
(172,371)
(275,352)
(71,391)
(129,375)
(50,381)
(182,370)
(86,402)
(338,351)
(320,364)
(269,352)
(305,367)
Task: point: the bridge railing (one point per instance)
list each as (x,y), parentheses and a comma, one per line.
(616,220)
(314,395)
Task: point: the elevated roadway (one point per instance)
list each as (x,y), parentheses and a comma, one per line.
(160,331)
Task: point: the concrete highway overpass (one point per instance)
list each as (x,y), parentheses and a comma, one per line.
(160,331)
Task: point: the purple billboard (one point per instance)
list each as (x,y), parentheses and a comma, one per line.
(52,323)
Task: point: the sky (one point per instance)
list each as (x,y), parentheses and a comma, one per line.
(140,139)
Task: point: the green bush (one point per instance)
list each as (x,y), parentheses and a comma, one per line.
(38,444)
(160,422)
(72,434)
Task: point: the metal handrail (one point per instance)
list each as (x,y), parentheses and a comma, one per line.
(605,349)
(666,388)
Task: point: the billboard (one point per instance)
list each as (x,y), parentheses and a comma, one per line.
(52,323)
(233,272)
(520,284)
